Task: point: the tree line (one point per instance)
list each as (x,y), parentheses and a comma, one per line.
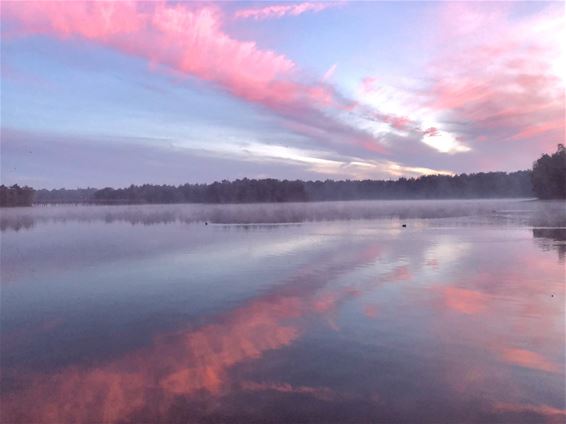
(16,195)
(480,185)
(63,195)
(547,180)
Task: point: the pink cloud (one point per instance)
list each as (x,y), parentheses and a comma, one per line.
(398,122)
(190,40)
(371,311)
(321,95)
(368,84)
(500,76)
(541,128)
(93,20)
(279,11)
(494,80)
(431,132)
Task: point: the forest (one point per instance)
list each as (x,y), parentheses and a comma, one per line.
(63,195)
(480,185)
(16,195)
(549,175)
(547,180)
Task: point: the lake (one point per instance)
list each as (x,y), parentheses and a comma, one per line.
(322,312)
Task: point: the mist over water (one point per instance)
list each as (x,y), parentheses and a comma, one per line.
(526,211)
(316,312)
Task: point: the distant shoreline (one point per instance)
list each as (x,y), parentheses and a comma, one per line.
(463,186)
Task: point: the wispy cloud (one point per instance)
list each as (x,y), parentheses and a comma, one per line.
(190,40)
(495,82)
(329,73)
(502,79)
(279,11)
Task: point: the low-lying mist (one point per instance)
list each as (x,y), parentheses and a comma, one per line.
(500,211)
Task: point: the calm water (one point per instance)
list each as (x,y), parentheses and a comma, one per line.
(328,312)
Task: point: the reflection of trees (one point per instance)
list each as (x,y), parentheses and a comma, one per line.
(27,221)
(552,238)
(20,223)
(531,213)
(548,214)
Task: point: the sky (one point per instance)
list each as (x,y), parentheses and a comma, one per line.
(102,93)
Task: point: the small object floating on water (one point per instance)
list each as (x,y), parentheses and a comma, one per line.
(205,222)
(404,225)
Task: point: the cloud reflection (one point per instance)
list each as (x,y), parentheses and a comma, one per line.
(500,318)
(184,363)
(468,302)
(528,359)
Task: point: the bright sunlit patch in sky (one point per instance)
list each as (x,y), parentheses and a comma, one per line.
(399,171)
(441,140)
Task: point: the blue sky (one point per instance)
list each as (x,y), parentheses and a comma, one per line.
(101,93)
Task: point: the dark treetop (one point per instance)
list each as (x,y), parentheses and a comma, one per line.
(16,195)
(549,175)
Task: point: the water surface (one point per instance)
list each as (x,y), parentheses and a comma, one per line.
(321,312)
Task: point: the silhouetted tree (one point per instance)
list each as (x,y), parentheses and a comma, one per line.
(549,175)
(16,195)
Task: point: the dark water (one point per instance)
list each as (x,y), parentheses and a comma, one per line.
(326,313)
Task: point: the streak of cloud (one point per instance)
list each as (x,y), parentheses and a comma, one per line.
(280,11)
